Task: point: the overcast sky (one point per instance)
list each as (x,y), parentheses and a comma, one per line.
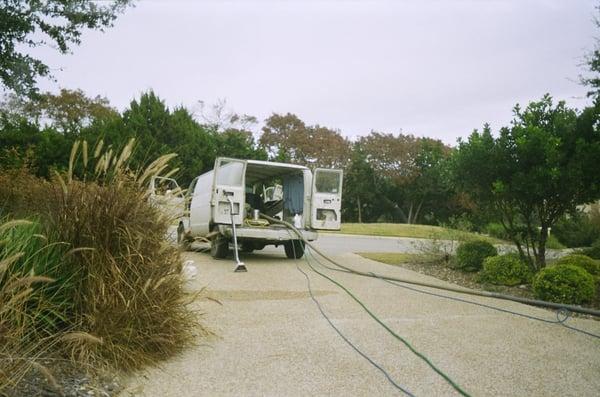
(430,68)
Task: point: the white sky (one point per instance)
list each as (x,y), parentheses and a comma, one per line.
(430,68)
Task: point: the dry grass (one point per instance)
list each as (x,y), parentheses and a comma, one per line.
(123,291)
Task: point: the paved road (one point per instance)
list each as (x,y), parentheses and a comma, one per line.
(272,340)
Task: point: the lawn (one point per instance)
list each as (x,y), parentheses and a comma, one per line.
(414,231)
(393,258)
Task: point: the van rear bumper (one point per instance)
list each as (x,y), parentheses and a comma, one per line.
(267,233)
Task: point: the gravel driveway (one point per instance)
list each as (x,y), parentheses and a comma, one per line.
(271,340)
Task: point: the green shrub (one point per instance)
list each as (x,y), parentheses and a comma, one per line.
(470,254)
(564,284)
(505,270)
(593,251)
(553,243)
(496,230)
(578,230)
(590,265)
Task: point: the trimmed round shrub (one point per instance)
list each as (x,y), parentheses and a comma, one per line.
(585,262)
(470,254)
(564,284)
(505,270)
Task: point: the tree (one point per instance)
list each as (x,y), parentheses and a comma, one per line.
(412,171)
(287,138)
(23,142)
(535,171)
(57,23)
(238,144)
(158,131)
(220,117)
(68,112)
(231,132)
(592,62)
(361,188)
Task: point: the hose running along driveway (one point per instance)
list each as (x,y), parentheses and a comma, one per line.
(271,339)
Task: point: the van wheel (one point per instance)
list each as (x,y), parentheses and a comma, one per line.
(182,241)
(294,249)
(219,247)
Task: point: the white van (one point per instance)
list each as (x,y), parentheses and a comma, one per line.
(250,187)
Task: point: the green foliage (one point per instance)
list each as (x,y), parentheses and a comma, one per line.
(25,253)
(412,174)
(53,23)
(564,284)
(31,305)
(590,265)
(578,230)
(157,129)
(535,171)
(471,254)
(360,189)
(553,243)
(507,269)
(496,230)
(593,251)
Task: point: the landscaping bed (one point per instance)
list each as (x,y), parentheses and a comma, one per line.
(425,264)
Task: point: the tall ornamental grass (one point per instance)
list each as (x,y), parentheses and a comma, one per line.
(32,308)
(112,283)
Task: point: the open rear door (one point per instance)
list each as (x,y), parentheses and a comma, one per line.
(229,183)
(326,204)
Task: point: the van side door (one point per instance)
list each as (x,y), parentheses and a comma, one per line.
(326,201)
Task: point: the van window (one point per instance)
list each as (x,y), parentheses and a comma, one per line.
(327,181)
(230,173)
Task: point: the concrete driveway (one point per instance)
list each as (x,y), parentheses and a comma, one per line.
(271,339)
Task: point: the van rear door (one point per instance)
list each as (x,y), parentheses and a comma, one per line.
(229,182)
(166,194)
(326,202)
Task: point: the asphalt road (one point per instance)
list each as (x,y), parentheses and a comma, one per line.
(271,340)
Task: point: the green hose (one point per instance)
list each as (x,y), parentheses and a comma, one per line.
(385,326)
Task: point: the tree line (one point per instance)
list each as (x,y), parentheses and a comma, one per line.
(526,176)
(395,178)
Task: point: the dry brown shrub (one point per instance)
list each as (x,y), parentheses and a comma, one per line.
(129,307)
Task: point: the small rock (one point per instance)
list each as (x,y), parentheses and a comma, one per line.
(189,270)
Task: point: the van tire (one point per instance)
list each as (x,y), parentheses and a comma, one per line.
(219,247)
(294,249)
